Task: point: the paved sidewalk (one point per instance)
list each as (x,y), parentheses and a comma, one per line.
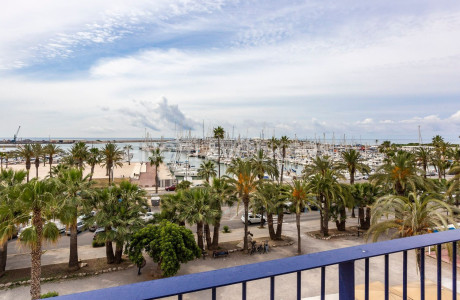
(54,256)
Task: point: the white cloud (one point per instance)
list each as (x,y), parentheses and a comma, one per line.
(455,117)
(285,69)
(366,121)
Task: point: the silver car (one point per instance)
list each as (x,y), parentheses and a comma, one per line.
(253,219)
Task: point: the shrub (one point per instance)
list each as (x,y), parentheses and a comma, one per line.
(168,244)
(97,244)
(49,295)
(226,229)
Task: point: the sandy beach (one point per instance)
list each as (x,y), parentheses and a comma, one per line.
(99,172)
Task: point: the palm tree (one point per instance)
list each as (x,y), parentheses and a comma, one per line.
(299,195)
(75,188)
(387,149)
(111,157)
(6,156)
(198,211)
(365,195)
(244,180)
(273,144)
(269,196)
(38,150)
(171,205)
(93,158)
(127,149)
(320,166)
(130,205)
(38,197)
(2,157)
(399,174)
(220,192)
(52,150)
(439,157)
(284,143)
(327,190)
(9,209)
(26,152)
(79,153)
(423,156)
(207,169)
(218,134)
(414,215)
(352,163)
(454,182)
(261,164)
(118,212)
(156,159)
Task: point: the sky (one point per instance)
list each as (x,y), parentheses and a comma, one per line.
(370,70)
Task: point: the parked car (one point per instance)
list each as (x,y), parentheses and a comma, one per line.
(198,185)
(93,227)
(253,219)
(60,226)
(99,230)
(147,216)
(80,227)
(170,188)
(287,208)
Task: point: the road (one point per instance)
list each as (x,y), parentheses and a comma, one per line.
(230,219)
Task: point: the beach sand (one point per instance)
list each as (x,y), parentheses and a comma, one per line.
(125,171)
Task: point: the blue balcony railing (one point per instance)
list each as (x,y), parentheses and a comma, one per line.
(345,258)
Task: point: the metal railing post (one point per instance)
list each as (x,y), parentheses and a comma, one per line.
(347,280)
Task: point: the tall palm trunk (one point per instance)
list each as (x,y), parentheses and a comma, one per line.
(92,172)
(279,225)
(352,181)
(36,255)
(199,235)
(37,164)
(324,217)
(297,221)
(28,168)
(361,217)
(118,252)
(51,164)
(3,257)
(341,222)
(367,221)
(110,176)
(246,219)
(207,231)
(156,179)
(109,248)
(73,257)
(218,157)
(271,228)
(282,165)
(109,252)
(215,236)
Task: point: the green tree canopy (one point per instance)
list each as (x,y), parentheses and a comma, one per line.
(168,244)
(207,170)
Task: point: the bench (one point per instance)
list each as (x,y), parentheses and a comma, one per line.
(216,254)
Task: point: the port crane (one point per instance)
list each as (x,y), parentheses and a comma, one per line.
(16,134)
